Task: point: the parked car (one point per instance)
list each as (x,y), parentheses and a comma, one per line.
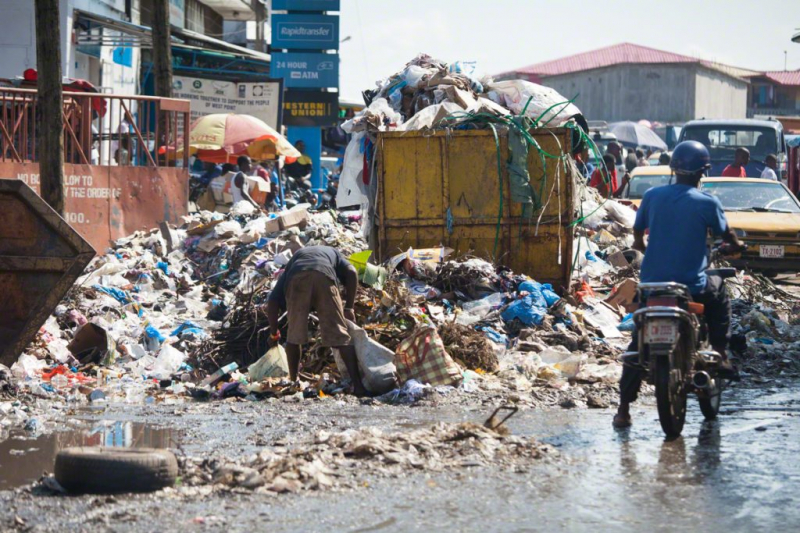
(642,180)
(766,216)
(723,137)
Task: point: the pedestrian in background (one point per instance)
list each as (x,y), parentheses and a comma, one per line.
(736,169)
(605,179)
(641,160)
(631,160)
(771,162)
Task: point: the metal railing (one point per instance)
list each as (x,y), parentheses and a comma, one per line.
(99,129)
(772,111)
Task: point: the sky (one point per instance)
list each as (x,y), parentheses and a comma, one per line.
(502,35)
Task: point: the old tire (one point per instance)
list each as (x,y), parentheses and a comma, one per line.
(99,470)
(634,257)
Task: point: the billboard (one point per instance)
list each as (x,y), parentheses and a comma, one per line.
(261,99)
(309,71)
(310,108)
(305,32)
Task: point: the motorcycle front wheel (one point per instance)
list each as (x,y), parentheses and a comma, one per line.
(670,396)
(709,405)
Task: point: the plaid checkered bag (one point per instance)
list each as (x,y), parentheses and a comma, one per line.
(422,356)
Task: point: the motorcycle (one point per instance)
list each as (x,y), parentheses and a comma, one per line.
(674,351)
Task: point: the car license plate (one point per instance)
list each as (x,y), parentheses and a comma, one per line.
(771,251)
(661,332)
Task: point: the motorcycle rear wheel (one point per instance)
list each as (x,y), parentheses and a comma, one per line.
(709,406)
(670,396)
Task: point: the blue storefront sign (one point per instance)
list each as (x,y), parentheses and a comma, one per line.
(306,71)
(305,32)
(305,5)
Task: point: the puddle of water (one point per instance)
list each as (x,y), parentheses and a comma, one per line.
(23,459)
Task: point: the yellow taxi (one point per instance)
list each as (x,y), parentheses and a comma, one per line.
(766,216)
(642,180)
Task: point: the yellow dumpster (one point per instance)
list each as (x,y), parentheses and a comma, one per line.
(443,188)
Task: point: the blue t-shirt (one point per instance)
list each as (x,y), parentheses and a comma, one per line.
(678,217)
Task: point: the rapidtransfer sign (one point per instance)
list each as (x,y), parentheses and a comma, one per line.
(305,32)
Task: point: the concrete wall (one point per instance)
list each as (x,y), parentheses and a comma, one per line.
(18,44)
(719,96)
(631,92)
(18,36)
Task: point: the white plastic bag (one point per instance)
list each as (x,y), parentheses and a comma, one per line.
(621,213)
(375,361)
(168,362)
(272,364)
(514,94)
(352,190)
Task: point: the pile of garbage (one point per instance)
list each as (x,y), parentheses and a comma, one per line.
(178,312)
(429,94)
(344,460)
(766,338)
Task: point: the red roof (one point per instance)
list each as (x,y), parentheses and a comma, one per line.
(615,55)
(604,57)
(782,77)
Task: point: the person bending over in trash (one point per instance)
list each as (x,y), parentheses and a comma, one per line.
(309,282)
(679,217)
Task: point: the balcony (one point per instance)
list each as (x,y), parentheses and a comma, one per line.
(233,9)
(772,112)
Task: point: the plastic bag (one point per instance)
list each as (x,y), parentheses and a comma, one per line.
(620,213)
(515,95)
(545,291)
(422,356)
(375,361)
(168,362)
(352,191)
(414,73)
(476,310)
(272,364)
(529,310)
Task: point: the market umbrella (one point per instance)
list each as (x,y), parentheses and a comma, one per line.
(222,138)
(633,134)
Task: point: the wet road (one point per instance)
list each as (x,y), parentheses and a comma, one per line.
(738,474)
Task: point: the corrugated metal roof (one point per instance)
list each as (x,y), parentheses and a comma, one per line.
(615,55)
(783,77)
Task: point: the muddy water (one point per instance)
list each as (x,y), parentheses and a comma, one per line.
(23,458)
(739,473)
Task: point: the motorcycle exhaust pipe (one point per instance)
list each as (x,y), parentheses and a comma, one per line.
(701,380)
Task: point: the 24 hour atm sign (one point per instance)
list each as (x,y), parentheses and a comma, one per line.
(306,70)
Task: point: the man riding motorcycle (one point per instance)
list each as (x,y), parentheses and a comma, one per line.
(679,218)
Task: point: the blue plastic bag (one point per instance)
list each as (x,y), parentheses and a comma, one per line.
(119,295)
(546,291)
(188,327)
(163,266)
(494,335)
(153,333)
(527,310)
(627,323)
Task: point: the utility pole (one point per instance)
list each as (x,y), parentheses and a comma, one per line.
(50,120)
(162,52)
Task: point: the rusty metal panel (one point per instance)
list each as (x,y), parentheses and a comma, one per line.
(105,203)
(41,256)
(444,188)
(147,197)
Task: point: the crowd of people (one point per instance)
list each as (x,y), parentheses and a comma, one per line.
(264,184)
(604,176)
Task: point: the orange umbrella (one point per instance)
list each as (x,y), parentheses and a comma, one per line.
(222,138)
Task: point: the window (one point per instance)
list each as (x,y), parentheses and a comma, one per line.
(722,141)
